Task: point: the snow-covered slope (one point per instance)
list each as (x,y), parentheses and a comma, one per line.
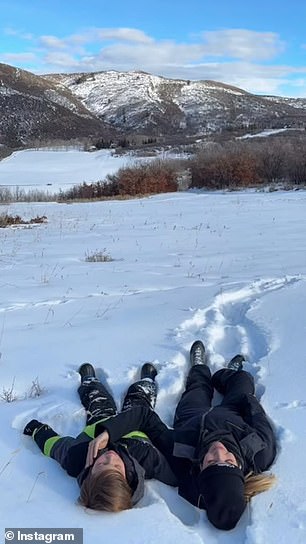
(112,105)
(298,103)
(137,101)
(227,268)
(33,108)
(52,170)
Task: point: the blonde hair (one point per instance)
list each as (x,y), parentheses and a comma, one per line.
(108,491)
(257,483)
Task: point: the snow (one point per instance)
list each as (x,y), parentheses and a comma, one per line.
(107,94)
(131,88)
(52,170)
(264,134)
(290,101)
(229,269)
(60,99)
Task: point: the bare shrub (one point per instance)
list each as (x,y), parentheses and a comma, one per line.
(89,191)
(98,257)
(296,162)
(15,194)
(225,166)
(36,390)
(251,163)
(35,195)
(271,160)
(8,393)
(298,170)
(146,178)
(5,195)
(7,220)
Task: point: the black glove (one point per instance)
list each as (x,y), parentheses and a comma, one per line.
(31,427)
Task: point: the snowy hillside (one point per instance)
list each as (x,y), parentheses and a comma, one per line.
(33,108)
(112,105)
(137,101)
(229,269)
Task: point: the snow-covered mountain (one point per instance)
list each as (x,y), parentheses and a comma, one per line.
(141,102)
(32,107)
(111,104)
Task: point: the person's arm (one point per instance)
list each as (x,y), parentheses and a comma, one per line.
(153,461)
(255,416)
(58,447)
(140,418)
(44,436)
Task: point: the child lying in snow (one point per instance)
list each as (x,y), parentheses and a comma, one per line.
(111,477)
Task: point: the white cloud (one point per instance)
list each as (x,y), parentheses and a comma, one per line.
(232,43)
(239,57)
(8,31)
(52,42)
(242,44)
(154,54)
(124,35)
(133,49)
(61,60)
(95,36)
(11,58)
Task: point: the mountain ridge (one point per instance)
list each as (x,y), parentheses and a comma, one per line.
(111,105)
(139,101)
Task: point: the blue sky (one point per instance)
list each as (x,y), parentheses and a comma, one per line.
(258,45)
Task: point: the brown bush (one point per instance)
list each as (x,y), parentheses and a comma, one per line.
(271,160)
(89,191)
(295,158)
(146,178)
(249,163)
(7,220)
(222,167)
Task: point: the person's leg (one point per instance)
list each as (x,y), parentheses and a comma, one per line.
(197,396)
(97,400)
(141,393)
(233,385)
(144,391)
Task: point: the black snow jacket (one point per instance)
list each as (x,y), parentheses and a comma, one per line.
(248,431)
(141,458)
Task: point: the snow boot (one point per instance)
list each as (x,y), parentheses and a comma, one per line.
(148,371)
(197,354)
(87,372)
(236,363)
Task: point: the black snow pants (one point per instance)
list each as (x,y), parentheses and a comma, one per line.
(99,403)
(197,397)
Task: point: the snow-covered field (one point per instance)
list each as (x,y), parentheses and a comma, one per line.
(53,170)
(229,269)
